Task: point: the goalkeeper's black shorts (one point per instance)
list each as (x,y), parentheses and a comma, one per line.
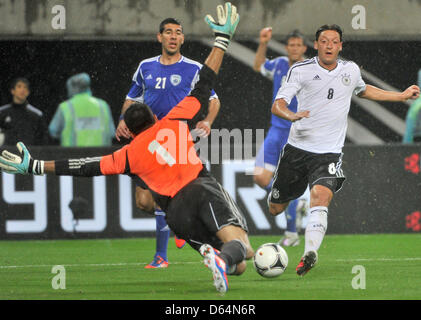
(199,210)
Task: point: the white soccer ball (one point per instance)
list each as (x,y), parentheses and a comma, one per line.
(270,260)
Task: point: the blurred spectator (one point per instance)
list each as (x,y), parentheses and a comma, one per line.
(19,120)
(413,120)
(82,120)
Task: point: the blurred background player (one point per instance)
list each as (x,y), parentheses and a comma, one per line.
(413,120)
(313,154)
(83,120)
(267,158)
(21,120)
(161,82)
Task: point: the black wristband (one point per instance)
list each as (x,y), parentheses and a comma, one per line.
(207,75)
(202,89)
(224,35)
(62,167)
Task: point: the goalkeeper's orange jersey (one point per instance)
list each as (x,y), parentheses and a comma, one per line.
(163,156)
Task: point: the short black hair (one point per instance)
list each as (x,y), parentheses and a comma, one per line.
(138,117)
(325,27)
(17,80)
(167,21)
(294,34)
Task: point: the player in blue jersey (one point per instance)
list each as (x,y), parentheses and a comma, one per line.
(277,136)
(162,82)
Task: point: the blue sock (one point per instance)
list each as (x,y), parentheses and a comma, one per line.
(162,235)
(269,186)
(291,213)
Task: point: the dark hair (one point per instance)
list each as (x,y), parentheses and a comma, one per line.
(21,79)
(333,27)
(167,21)
(294,34)
(138,117)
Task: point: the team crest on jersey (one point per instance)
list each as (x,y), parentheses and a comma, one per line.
(175,79)
(346,79)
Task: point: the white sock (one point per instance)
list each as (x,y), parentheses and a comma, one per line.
(316,228)
(290,234)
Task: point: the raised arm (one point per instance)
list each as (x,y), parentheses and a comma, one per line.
(117,162)
(224,30)
(260,58)
(374,93)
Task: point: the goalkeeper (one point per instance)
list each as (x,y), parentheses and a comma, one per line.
(198,209)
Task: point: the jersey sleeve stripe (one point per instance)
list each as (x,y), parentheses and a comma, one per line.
(31,108)
(187,60)
(299,65)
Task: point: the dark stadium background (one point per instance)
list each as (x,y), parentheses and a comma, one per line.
(244,94)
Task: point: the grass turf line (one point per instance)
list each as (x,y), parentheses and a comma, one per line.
(114,269)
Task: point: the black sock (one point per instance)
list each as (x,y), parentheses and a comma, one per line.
(233,252)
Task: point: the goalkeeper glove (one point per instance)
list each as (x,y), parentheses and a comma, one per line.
(227,23)
(23,164)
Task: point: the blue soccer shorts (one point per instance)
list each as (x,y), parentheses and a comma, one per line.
(275,140)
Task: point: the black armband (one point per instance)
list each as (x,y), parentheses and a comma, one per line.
(202,89)
(84,167)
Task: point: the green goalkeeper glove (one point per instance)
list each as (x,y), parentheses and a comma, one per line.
(23,164)
(227,23)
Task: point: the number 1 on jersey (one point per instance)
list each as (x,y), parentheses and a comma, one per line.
(154,146)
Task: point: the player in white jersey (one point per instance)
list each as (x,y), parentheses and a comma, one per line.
(323,86)
(277,136)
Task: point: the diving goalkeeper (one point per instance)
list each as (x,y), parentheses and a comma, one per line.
(198,209)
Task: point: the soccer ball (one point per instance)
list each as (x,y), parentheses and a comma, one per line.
(270,260)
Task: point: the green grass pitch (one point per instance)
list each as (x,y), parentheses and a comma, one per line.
(114,269)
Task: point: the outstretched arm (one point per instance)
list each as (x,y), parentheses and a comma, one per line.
(50,167)
(117,163)
(280,109)
(83,167)
(24,164)
(374,93)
